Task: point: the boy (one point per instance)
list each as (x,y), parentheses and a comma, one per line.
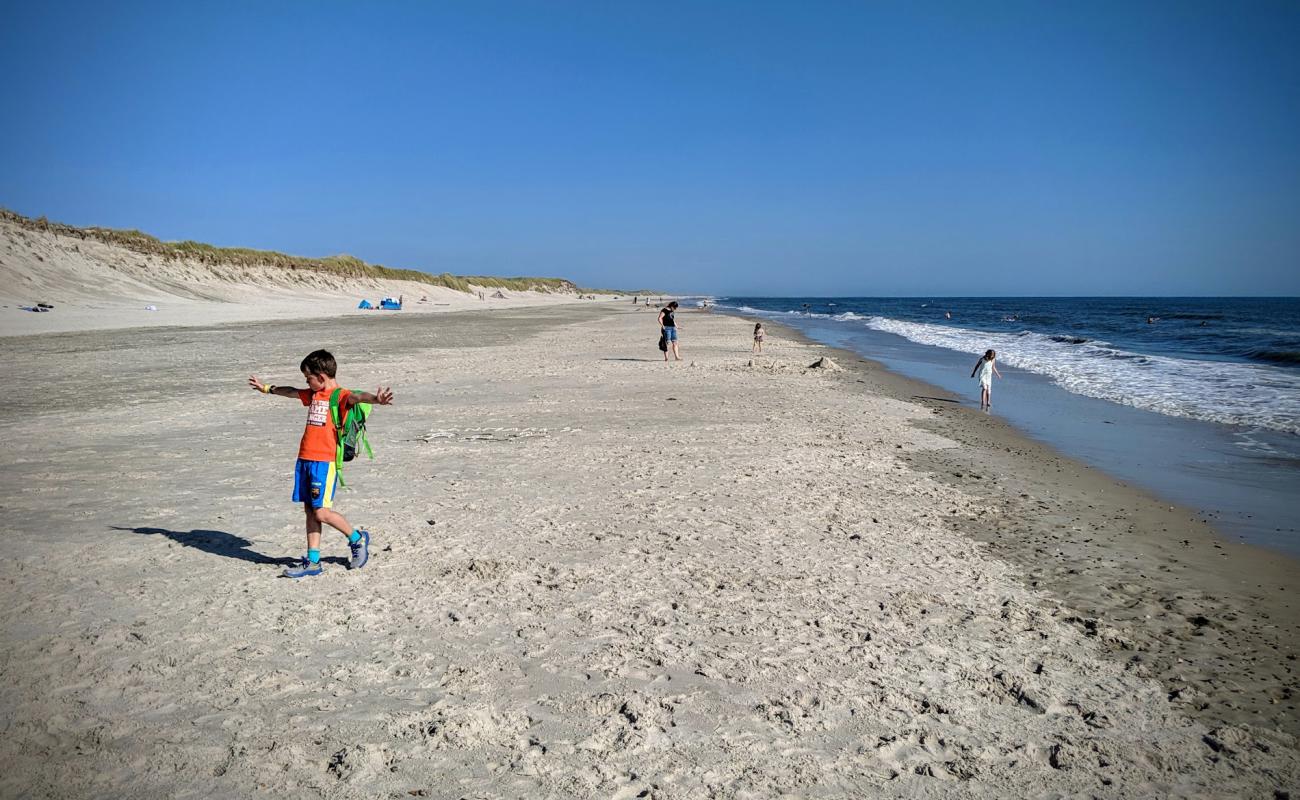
(315,478)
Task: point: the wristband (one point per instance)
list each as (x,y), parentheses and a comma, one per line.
(266,388)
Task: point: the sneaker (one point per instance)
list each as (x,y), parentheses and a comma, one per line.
(305,569)
(360,550)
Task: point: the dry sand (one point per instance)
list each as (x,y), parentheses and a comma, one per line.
(94,285)
(597,575)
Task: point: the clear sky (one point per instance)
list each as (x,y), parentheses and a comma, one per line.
(850,148)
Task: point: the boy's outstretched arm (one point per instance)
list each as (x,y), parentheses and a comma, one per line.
(282,391)
(382,396)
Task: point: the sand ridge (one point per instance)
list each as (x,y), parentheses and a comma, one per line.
(595,575)
(98,285)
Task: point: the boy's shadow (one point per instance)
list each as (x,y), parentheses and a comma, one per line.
(220,543)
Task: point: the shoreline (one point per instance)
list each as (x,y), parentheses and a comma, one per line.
(1241,478)
(1195,577)
(593,575)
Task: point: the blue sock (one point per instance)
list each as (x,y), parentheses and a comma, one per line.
(354,537)
(313,556)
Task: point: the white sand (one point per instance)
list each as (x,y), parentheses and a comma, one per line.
(95,286)
(595,575)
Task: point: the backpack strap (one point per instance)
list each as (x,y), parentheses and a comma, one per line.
(338,433)
(334,407)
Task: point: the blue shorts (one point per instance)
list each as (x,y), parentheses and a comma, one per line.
(314,483)
(670,334)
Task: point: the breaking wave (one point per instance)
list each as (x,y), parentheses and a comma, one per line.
(1217,391)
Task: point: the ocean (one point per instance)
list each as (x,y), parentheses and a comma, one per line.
(1196,399)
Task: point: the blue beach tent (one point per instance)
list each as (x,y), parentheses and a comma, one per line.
(364,304)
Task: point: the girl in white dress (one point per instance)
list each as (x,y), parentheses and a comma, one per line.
(986,370)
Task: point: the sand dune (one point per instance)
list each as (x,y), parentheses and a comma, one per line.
(94,284)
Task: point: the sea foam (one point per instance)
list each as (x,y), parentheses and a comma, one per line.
(1216,391)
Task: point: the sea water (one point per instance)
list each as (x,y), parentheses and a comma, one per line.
(1196,399)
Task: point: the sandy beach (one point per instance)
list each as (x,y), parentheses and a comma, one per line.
(599,575)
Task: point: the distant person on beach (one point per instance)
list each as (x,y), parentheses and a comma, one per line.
(758,337)
(315,477)
(668,329)
(986,370)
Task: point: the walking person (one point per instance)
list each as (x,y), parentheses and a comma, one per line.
(316,474)
(986,369)
(668,329)
(758,337)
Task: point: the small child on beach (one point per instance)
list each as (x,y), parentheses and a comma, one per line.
(315,477)
(758,337)
(986,370)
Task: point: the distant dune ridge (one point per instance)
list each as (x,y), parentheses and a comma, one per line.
(105,278)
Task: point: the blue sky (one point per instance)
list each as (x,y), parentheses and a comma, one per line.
(738,148)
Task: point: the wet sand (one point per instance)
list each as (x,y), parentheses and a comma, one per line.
(597,575)
(1213,618)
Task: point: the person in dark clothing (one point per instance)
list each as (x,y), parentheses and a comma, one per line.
(668,327)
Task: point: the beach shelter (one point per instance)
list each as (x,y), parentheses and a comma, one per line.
(364,304)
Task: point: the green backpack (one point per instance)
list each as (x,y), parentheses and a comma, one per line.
(351,432)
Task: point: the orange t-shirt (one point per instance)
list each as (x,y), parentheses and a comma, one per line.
(320,440)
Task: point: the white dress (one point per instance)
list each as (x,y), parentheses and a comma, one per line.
(986,374)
